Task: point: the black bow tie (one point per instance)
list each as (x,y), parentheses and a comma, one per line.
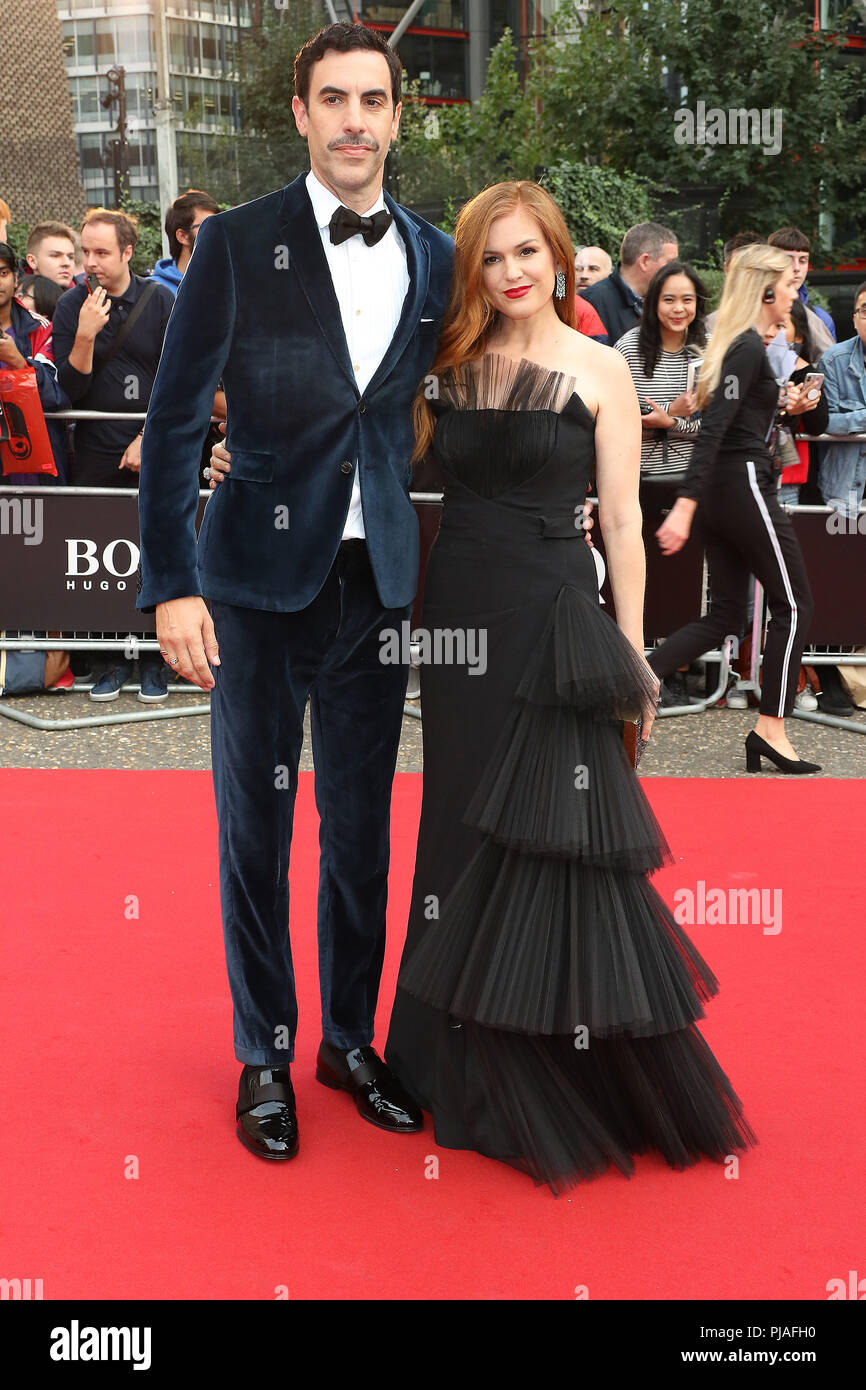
(346,223)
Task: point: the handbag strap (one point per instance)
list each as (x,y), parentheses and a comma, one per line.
(126,328)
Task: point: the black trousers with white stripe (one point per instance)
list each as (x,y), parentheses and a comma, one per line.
(744,531)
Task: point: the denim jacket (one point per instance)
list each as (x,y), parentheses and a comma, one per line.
(845,390)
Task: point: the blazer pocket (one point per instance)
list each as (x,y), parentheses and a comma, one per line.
(251,466)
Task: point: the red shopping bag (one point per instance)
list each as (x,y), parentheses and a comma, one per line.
(24,443)
(798,472)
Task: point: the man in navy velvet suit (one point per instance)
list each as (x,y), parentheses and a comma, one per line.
(319,307)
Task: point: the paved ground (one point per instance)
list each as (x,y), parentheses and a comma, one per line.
(709,744)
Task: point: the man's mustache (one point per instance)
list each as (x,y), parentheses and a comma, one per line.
(368,144)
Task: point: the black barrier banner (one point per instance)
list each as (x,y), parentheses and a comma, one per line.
(834,548)
(68,560)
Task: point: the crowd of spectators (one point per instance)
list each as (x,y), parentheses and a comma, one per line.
(92,329)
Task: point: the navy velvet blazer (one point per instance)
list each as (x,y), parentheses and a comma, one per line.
(257,308)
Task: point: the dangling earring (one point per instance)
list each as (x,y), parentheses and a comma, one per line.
(559,289)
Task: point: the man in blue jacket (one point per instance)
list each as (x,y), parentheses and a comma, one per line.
(797,245)
(842,475)
(319,307)
(182,224)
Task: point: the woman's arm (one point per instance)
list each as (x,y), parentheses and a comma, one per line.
(617,476)
(740,370)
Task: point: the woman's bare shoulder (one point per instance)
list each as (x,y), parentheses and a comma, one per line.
(584,354)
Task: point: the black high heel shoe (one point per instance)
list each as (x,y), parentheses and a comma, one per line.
(757,748)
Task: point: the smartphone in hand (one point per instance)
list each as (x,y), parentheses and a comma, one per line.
(813,383)
(92,282)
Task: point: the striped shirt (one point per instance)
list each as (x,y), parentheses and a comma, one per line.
(668,381)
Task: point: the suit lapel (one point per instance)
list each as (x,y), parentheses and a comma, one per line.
(298,225)
(418,265)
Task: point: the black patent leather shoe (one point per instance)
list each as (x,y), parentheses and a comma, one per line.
(377,1093)
(267,1124)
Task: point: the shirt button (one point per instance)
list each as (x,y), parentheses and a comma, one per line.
(345,466)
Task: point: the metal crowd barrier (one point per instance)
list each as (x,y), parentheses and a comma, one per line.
(140,642)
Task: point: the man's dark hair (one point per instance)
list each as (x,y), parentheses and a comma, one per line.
(738,241)
(645,238)
(45,293)
(649,341)
(861,289)
(343,38)
(123,223)
(789,239)
(181,216)
(8,256)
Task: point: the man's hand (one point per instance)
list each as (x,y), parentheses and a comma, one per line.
(93,315)
(219,464)
(676,527)
(187,639)
(9,354)
(132,456)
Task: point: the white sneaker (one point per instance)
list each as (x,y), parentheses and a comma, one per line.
(805,700)
(737,699)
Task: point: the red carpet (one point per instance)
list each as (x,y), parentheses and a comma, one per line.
(117,1052)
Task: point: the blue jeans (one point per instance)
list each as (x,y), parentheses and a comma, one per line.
(789,494)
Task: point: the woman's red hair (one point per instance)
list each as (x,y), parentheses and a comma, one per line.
(469,318)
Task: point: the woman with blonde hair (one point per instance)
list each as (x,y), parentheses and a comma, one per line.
(730,494)
(546,1004)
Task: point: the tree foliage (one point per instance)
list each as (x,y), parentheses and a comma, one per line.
(610,89)
(598,109)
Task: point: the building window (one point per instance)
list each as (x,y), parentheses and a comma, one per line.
(435,14)
(438,64)
(105,45)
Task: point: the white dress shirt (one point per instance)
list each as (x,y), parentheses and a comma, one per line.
(370,283)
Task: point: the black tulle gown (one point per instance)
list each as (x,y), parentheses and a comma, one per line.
(546,1004)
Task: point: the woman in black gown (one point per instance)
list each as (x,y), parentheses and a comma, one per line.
(546,1004)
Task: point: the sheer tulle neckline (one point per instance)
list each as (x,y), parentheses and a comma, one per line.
(497,382)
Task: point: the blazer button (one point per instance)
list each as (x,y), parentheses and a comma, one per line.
(345,466)
(362,407)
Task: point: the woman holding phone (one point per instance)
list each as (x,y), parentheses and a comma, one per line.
(730,493)
(660,351)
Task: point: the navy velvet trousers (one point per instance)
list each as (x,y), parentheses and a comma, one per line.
(270,664)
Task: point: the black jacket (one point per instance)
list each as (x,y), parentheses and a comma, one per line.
(618,307)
